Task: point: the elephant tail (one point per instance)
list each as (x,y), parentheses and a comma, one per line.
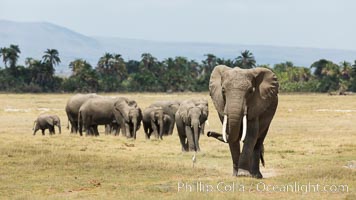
(261,156)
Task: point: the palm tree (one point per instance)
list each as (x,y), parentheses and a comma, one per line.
(78,66)
(246,60)
(353,71)
(319,67)
(51,56)
(345,70)
(4,52)
(10,55)
(105,63)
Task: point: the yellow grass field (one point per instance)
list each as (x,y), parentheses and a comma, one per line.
(310,153)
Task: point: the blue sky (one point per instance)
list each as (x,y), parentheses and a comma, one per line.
(301,23)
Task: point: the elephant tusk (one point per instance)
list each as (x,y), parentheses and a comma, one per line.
(244,128)
(207,122)
(224,128)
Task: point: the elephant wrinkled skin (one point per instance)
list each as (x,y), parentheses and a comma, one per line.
(45,121)
(244,95)
(189,120)
(156,121)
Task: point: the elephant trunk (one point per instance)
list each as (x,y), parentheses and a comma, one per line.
(134,128)
(160,126)
(196,135)
(235,111)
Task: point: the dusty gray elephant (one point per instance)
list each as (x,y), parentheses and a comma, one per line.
(189,121)
(94,112)
(246,101)
(46,121)
(129,116)
(170,108)
(72,108)
(156,121)
(204,106)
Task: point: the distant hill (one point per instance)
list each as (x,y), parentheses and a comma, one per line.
(35,37)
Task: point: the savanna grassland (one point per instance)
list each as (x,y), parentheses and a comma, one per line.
(312,140)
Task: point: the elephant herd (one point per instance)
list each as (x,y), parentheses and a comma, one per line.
(120,114)
(245,99)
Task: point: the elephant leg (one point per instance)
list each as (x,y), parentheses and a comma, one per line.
(255,161)
(248,147)
(95,129)
(145,129)
(155,129)
(150,131)
(189,134)
(183,143)
(128,133)
(235,155)
(43,131)
(117,131)
(265,121)
(107,129)
(75,127)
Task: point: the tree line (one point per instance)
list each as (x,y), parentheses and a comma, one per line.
(112,74)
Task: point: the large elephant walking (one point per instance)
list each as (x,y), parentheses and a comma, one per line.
(45,121)
(72,108)
(246,101)
(189,120)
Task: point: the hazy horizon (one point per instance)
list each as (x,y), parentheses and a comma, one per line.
(317,24)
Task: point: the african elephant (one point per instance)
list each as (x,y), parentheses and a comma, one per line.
(129,116)
(170,108)
(156,121)
(94,112)
(72,108)
(246,101)
(188,121)
(45,121)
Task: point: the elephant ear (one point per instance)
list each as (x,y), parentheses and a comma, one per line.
(132,103)
(183,113)
(121,107)
(50,120)
(56,119)
(266,82)
(215,87)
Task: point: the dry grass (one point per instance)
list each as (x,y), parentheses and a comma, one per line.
(311,140)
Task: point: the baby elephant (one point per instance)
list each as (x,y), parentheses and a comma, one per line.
(45,121)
